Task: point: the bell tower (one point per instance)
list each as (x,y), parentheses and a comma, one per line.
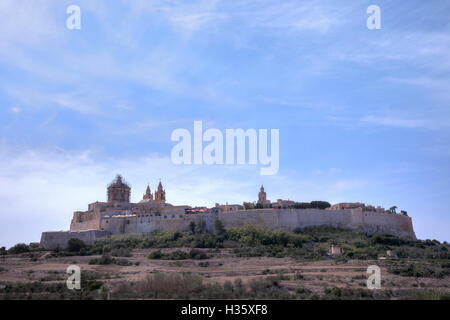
(148,194)
(160,194)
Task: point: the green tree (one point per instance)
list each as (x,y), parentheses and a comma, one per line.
(75,245)
(192,227)
(218,225)
(320,204)
(201,226)
(393,209)
(248,205)
(19,248)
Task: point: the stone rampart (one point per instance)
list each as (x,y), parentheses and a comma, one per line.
(55,239)
(286,219)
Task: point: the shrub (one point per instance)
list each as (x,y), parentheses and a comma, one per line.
(312,205)
(192,227)
(389,240)
(299,276)
(197,254)
(75,245)
(123,262)
(201,226)
(19,248)
(155,255)
(104,259)
(346,294)
(175,255)
(419,271)
(121,252)
(220,229)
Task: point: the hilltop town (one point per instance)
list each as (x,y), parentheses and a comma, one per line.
(153,213)
(259,250)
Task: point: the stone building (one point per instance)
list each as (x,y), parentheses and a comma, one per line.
(334,250)
(283,204)
(262,198)
(148,194)
(118,191)
(356,206)
(228,207)
(160,194)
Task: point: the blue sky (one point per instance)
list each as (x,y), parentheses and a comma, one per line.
(363,114)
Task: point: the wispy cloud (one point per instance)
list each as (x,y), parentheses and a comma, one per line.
(406,123)
(15,109)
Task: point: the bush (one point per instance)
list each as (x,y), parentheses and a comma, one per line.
(389,240)
(312,205)
(197,254)
(75,245)
(419,271)
(121,252)
(123,262)
(220,229)
(155,255)
(346,294)
(104,259)
(19,248)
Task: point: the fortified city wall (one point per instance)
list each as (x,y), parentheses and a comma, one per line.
(285,219)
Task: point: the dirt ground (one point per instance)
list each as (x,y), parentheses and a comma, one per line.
(222,266)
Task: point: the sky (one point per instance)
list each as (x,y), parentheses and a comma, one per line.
(363,115)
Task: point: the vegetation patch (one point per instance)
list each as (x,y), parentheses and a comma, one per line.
(419,270)
(178,255)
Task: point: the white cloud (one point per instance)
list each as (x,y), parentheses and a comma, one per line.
(15,109)
(405,122)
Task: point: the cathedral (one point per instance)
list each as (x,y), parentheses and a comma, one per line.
(160,194)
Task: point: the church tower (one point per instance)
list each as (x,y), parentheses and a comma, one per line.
(148,195)
(118,191)
(160,194)
(262,197)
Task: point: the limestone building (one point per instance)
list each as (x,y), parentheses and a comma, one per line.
(262,198)
(119,215)
(160,194)
(118,191)
(148,194)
